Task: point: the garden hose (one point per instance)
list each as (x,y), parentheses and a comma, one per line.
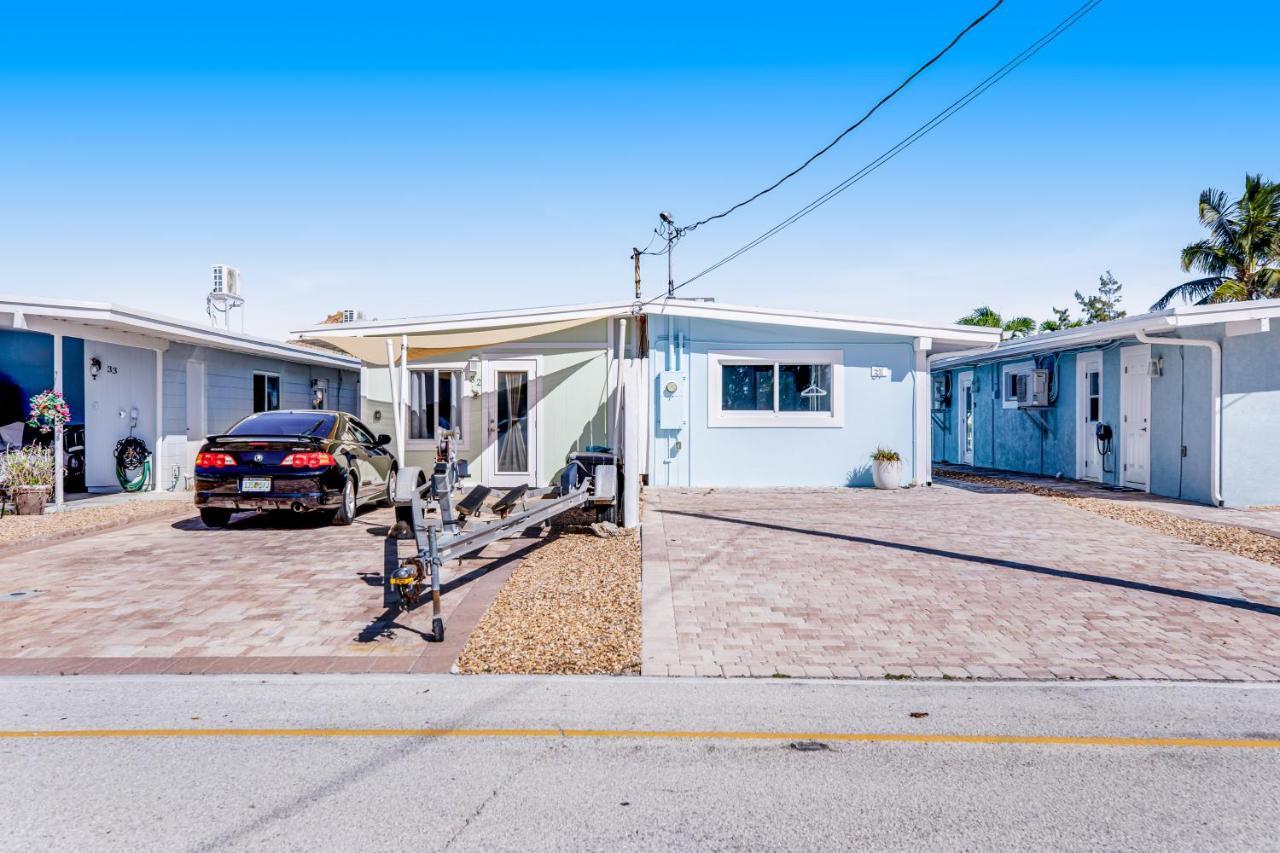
(132,454)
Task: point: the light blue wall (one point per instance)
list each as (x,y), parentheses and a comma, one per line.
(1251,418)
(877,411)
(229,386)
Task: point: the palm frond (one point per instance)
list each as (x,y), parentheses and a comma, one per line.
(1209,257)
(1191,291)
(1217,213)
(1229,291)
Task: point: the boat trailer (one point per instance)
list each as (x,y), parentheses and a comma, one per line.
(451,537)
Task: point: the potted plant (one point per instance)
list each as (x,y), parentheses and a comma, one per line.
(28,475)
(886,468)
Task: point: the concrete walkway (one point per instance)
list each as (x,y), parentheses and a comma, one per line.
(943,582)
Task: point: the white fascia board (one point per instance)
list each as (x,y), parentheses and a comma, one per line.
(119,318)
(939,332)
(1076,338)
(1227,312)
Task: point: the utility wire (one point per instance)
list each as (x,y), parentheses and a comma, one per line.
(851,128)
(957,105)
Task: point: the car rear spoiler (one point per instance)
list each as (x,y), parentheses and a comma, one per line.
(227,439)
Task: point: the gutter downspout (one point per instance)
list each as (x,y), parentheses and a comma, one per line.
(1215,393)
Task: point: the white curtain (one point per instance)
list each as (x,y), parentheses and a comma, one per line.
(512,449)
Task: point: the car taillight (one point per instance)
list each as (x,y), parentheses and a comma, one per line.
(214,460)
(308,460)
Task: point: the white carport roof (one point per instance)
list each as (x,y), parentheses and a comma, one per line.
(428,336)
(80,318)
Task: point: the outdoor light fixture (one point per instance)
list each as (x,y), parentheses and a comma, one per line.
(95,367)
(1156,366)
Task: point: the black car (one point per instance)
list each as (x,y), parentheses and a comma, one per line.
(301,460)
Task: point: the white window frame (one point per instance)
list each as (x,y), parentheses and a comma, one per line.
(1023,368)
(460,369)
(279,391)
(718,417)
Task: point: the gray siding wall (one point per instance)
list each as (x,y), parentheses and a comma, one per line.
(229,386)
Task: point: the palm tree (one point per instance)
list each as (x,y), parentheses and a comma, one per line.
(984,315)
(1239,257)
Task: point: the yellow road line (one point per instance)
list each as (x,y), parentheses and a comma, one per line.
(631,734)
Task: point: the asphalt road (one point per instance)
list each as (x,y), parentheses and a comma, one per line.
(328,763)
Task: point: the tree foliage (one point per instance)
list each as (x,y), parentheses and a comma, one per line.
(1239,257)
(1105,304)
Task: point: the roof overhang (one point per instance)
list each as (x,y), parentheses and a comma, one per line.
(430,336)
(1153,323)
(84,318)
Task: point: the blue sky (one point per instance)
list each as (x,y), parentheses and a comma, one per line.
(411,162)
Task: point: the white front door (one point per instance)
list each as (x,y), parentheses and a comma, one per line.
(964,417)
(511,447)
(1135,417)
(1088,415)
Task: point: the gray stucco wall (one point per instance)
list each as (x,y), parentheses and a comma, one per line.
(229,386)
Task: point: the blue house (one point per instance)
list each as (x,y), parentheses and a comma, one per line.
(1183,403)
(749,396)
(169,382)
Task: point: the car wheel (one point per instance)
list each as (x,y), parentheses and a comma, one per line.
(347,508)
(212,516)
(390,498)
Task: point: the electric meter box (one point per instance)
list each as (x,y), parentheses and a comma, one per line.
(673,400)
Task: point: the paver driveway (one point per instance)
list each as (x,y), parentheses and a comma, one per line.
(944,581)
(267,594)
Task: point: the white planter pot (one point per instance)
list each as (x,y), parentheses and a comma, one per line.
(887,475)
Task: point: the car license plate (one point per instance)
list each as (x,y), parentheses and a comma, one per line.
(255,484)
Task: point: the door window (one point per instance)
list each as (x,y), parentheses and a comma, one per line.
(512,422)
(266,392)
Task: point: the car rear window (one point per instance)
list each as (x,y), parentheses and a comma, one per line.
(284,423)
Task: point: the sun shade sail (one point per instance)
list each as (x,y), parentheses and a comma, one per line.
(371,347)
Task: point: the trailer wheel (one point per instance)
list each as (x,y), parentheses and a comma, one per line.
(437,630)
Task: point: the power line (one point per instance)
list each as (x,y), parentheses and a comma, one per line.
(957,105)
(851,128)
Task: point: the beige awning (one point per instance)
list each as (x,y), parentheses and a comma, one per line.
(371,347)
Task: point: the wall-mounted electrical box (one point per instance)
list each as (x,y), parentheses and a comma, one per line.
(673,400)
